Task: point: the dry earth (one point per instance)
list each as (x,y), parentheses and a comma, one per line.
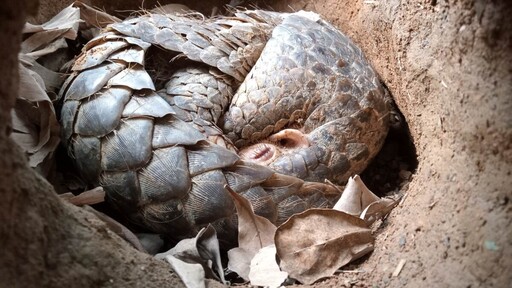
(448,65)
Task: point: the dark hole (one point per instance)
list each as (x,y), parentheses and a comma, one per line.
(394,165)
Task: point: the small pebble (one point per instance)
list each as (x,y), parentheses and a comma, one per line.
(446,241)
(405,175)
(402,241)
(491,245)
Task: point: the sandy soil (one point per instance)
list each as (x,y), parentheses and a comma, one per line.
(448,66)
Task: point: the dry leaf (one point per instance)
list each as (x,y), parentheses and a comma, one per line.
(254,233)
(207,246)
(378,209)
(32,88)
(66,23)
(358,200)
(264,269)
(192,274)
(89,197)
(94,17)
(239,261)
(185,250)
(35,126)
(203,249)
(316,242)
(93,20)
(355,197)
(48,39)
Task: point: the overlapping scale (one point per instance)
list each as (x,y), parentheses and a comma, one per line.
(171,131)
(123,189)
(133,55)
(68,114)
(208,157)
(208,200)
(134,77)
(151,105)
(261,202)
(92,80)
(87,152)
(244,175)
(97,54)
(166,176)
(101,114)
(129,147)
(289,206)
(167,218)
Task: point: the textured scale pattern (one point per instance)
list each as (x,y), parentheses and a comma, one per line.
(157,106)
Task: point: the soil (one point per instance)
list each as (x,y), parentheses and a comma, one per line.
(447,64)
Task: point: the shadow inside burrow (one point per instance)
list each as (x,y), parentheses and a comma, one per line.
(392,168)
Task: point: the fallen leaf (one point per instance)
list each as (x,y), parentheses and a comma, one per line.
(30,58)
(89,197)
(254,233)
(355,197)
(192,274)
(239,261)
(378,209)
(66,196)
(264,269)
(315,243)
(185,250)
(66,20)
(35,126)
(94,17)
(207,246)
(32,88)
(34,123)
(358,200)
(40,40)
(203,249)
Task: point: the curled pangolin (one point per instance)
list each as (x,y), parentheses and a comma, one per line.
(163,111)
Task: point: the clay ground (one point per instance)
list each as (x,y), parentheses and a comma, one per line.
(448,66)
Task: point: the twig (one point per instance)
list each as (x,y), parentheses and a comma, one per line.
(402,200)
(431,205)
(89,197)
(350,271)
(398,268)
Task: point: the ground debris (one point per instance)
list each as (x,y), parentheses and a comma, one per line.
(399,268)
